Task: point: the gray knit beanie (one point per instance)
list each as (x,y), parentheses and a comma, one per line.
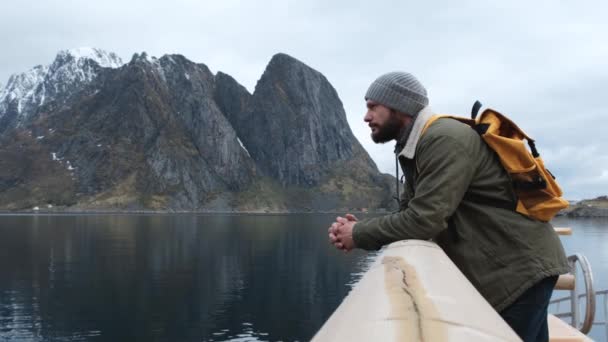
(400,91)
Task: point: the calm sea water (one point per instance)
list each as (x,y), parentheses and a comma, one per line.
(188,277)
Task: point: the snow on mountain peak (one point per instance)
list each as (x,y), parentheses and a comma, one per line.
(69,71)
(22,88)
(152,61)
(103,58)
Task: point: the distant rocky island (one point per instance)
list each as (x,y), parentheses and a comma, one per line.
(597,207)
(91,133)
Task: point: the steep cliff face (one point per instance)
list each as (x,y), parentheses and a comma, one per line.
(295,128)
(168,134)
(232,98)
(295,124)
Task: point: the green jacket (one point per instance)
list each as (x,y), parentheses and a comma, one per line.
(453,184)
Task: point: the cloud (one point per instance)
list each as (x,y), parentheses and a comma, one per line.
(544,63)
(580,169)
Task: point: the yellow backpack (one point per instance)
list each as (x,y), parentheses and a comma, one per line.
(538,194)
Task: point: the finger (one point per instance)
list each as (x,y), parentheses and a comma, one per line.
(351,217)
(341,231)
(333,228)
(333,238)
(342,220)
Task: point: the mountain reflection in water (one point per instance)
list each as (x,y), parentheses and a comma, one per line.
(188,277)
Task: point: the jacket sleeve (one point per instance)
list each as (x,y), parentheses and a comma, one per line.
(445,170)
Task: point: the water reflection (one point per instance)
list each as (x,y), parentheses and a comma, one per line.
(188,277)
(168,277)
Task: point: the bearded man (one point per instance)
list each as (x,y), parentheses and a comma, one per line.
(455,194)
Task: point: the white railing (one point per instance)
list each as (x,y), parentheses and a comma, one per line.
(589,291)
(601,295)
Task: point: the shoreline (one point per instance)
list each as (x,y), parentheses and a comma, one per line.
(171,212)
(592,208)
(582,214)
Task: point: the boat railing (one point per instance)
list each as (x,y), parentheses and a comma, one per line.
(589,298)
(602,295)
(414,292)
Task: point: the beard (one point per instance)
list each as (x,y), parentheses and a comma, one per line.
(388,131)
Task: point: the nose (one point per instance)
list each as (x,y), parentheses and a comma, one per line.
(368,116)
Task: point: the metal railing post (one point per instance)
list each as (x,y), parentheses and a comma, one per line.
(573,296)
(606,314)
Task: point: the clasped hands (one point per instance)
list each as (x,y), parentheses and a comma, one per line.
(341,232)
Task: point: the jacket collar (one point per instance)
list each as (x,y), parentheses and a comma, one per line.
(409,150)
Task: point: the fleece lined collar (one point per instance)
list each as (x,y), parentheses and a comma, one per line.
(415,133)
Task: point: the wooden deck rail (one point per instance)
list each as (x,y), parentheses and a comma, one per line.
(563,230)
(413,292)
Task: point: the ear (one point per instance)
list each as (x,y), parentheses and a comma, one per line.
(405,118)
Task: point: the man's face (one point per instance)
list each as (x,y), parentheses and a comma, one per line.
(383,121)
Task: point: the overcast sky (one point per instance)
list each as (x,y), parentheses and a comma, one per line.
(544,63)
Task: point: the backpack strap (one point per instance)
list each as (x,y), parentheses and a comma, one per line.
(492,202)
(434,118)
(475,110)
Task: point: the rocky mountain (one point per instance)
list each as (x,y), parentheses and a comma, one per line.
(596,207)
(295,107)
(89,132)
(70,72)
